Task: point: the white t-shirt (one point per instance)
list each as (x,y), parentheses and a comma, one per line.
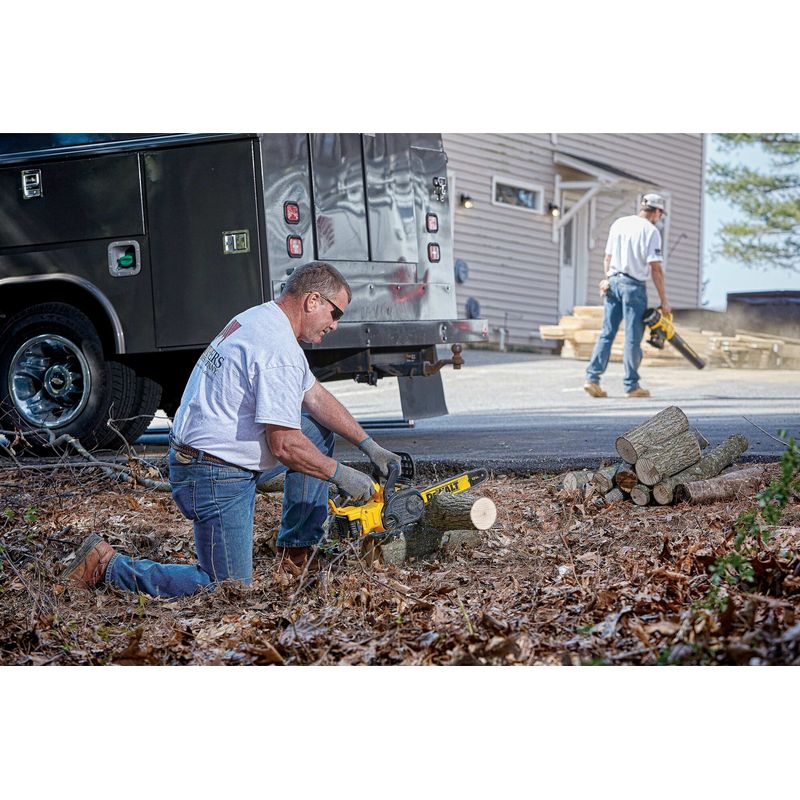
(253,373)
(633,244)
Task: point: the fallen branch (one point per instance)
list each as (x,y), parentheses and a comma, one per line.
(722,487)
(112,470)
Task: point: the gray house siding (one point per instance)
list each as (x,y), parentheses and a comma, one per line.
(513,261)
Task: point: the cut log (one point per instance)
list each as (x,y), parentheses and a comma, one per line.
(625,478)
(604,478)
(642,465)
(664,425)
(669,457)
(711,464)
(449,512)
(723,487)
(420,541)
(640,494)
(614,496)
(577,479)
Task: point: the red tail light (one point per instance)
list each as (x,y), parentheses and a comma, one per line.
(432,223)
(291,213)
(294,244)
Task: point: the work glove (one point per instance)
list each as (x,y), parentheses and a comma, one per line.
(379,456)
(353,483)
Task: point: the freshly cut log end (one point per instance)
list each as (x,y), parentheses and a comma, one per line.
(640,494)
(667,423)
(483,513)
(447,512)
(577,480)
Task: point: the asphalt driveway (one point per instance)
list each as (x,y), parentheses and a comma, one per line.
(528,412)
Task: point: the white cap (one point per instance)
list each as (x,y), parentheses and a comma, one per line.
(653,200)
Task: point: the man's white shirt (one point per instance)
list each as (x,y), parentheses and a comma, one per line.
(634,243)
(253,373)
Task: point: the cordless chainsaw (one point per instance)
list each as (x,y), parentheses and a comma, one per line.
(663,330)
(396,503)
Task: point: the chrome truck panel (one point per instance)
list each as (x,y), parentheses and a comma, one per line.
(410,333)
(286,178)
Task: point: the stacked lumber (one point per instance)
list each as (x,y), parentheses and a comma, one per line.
(668,356)
(754,351)
(579,331)
(665,461)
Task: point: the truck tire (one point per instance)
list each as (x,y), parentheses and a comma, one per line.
(146,401)
(54,378)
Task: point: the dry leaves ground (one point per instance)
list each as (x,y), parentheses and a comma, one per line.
(557,581)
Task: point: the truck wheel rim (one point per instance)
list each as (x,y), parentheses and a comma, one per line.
(49,381)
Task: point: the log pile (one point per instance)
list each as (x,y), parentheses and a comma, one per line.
(664,461)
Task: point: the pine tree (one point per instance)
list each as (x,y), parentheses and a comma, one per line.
(769,233)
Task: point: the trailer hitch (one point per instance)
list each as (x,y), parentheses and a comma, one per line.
(457,361)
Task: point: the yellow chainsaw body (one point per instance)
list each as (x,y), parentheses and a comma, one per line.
(368,518)
(364,519)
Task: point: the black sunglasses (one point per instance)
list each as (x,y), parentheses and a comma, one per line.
(337,312)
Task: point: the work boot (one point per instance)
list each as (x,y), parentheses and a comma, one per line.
(88,568)
(296,558)
(638,392)
(594,389)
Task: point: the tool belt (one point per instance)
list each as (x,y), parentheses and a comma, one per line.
(200,455)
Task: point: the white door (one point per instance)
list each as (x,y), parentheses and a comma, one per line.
(573,259)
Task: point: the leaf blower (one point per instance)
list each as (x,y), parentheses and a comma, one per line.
(662,330)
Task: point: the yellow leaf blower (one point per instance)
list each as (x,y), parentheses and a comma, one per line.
(662,330)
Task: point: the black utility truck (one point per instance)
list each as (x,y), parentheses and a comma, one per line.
(123,255)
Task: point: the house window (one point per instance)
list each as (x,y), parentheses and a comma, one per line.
(515,194)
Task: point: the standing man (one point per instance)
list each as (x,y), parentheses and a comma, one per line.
(633,254)
(251,410)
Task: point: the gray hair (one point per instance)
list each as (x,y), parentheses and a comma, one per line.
(317,276)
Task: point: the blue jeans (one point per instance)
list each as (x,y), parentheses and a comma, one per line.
(221,500)
(626,299)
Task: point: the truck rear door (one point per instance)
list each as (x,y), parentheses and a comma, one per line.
(203,232)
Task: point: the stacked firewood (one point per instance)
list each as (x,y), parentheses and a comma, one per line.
(665,461)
